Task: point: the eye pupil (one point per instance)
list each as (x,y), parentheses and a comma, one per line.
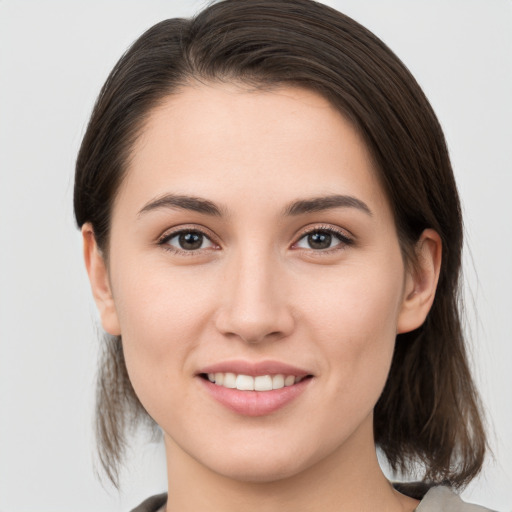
(320,240)
(190,241)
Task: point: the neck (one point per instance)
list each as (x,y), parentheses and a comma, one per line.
(349,479)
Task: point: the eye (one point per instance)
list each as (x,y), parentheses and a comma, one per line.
(186,241)
(325,239)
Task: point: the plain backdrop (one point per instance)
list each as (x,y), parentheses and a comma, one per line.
(54,57)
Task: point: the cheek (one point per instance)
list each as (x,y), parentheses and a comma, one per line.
(160,304)
(162,315)
(359,301)
(355,321)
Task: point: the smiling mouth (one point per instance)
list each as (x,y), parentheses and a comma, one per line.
(253,383)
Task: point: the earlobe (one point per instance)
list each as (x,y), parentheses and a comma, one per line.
(99,279)
(421,282)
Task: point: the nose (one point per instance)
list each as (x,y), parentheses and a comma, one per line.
(255,305)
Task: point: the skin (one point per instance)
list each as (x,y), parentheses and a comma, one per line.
(257,289)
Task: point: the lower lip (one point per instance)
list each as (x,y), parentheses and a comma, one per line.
(255,403)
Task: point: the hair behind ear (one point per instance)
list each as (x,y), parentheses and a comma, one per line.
(118,410)
(429,411)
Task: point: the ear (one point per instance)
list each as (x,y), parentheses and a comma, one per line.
(100,283)
(421,282)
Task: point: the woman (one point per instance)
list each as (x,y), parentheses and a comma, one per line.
(273,236)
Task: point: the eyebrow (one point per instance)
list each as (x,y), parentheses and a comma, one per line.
(181,202)
(295,208)
(318,204)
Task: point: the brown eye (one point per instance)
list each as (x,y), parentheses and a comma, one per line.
(319,240)
(323,239)
(187,240)
(190,241)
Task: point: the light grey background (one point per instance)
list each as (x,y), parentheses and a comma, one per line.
(54,57)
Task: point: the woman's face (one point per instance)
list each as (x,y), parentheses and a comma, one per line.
(251,237)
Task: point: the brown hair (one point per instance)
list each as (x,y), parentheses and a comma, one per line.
(429,411)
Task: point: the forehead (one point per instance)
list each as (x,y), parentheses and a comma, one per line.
(226,141)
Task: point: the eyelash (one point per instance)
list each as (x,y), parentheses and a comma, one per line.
(344,240)
(163,241)
(342,237)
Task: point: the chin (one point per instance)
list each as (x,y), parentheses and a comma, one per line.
(262,465)
(259,472)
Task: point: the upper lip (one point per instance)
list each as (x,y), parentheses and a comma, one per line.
(254,369)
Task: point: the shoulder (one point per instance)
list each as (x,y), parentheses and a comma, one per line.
(152,504)
(443,499)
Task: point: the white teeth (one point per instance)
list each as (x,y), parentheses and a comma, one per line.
(245,382)
(229,380)
(277,382)
(263,383)
(249,383)
(290,379)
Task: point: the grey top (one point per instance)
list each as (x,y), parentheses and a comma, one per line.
(443,499)
(437,499)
